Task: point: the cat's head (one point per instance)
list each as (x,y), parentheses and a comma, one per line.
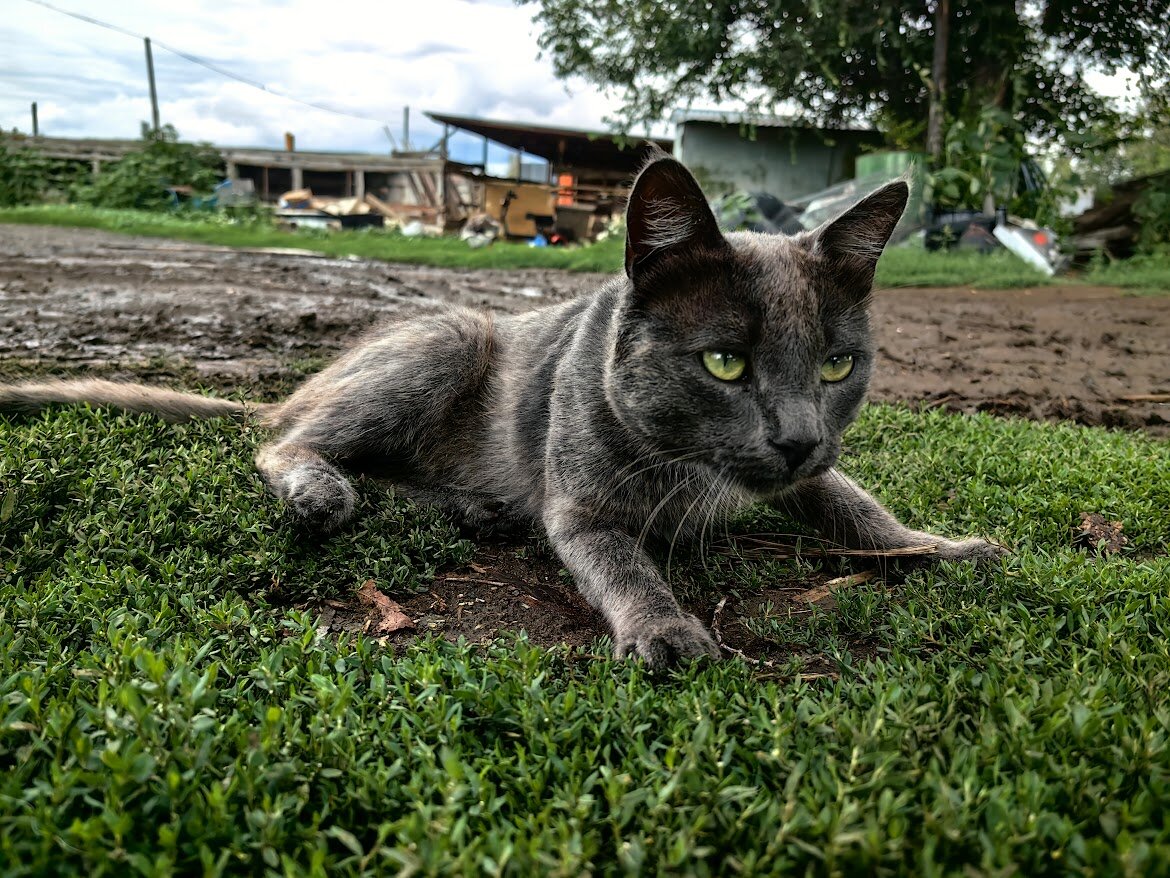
(747,353)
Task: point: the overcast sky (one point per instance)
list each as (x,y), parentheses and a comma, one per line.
(367,57)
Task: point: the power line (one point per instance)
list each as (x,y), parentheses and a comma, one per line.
(194,59)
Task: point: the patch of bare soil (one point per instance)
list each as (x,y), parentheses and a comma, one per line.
(1086,354)
(74,300)
(512,586)
(79,298)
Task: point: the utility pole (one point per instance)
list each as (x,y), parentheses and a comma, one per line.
(153,91)
(36,128)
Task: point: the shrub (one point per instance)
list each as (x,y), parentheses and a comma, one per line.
(140,179)
(27,175)
(1152,210)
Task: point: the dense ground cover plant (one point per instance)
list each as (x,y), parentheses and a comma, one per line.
(165,708)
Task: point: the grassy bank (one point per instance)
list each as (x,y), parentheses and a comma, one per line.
(900,267)
(164,709)
(369,244)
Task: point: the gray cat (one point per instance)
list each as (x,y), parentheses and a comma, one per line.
(720,371)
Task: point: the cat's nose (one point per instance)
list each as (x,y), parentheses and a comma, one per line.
(795,451)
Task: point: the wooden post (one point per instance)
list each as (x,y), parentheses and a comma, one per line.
(359,184)
(406,128)
(36,127)
(298,177)
(442,217)
(485,155)
(233,170)
(153,91)
(96,166)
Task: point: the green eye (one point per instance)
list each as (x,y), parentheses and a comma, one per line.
(837,368)
(724,366)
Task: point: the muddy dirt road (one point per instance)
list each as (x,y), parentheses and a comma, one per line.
(74,299)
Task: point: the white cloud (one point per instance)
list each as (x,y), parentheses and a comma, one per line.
(367,57)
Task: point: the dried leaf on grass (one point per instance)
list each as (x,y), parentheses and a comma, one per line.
(386,616)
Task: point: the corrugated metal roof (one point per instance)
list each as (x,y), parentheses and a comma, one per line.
(759,120)
(567,147)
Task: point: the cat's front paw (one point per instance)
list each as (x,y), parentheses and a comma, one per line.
(321,498)
(666,641)
(974,549)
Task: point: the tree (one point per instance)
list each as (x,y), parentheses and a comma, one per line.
(840,61)
(1140,145)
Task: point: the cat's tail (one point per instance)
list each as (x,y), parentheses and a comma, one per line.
(170,405)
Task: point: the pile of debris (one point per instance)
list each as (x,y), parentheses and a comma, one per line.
(1110,225)
(300,208)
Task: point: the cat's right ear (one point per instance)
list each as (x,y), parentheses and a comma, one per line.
(854,241)
(667,214)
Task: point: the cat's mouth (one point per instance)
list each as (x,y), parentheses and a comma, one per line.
(767,477)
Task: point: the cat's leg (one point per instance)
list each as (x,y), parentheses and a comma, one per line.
(616,576)
(837,507)
(400,400)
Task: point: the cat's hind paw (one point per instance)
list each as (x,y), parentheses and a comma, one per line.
(667,641)
(321,498)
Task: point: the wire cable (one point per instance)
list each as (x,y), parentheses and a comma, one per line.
(194,59)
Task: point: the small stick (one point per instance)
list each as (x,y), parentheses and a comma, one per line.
(938,403)
(727,646)
(766,542)
(1146,397)
(477,581)
(823,591)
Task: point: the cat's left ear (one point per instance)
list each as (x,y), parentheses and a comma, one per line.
(854,241)
(666,215)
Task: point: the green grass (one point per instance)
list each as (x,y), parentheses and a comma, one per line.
(165,709)
(913,266)
(448,252)
(1145,273)
(905,266)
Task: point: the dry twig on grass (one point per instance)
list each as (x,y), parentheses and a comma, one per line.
(772,546)
(820,592)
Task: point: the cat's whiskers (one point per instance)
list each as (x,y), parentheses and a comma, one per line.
(640,542)
(682,455)
(713,483)
(714,510)
(857,524)
(716,513)
(707,514)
